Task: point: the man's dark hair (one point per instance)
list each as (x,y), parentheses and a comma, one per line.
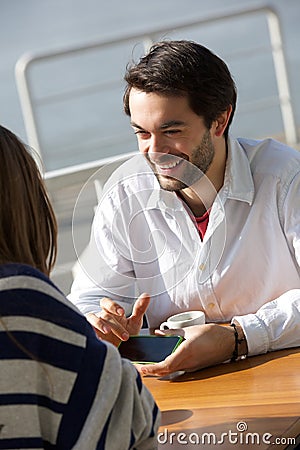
(185,68)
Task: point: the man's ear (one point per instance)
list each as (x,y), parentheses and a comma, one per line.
(222,121)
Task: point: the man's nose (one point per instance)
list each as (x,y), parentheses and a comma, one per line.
(157,147)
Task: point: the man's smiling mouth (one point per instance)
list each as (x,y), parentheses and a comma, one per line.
(170,165)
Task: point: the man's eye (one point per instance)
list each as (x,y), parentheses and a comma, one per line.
(141,133)
(172,132)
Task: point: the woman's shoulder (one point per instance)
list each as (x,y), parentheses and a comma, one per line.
(18,269)
(25,291)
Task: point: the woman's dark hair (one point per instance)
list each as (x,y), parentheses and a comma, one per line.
(28,228)
(185,68)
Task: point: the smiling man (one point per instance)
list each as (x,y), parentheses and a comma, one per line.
(169,144)
(199,220)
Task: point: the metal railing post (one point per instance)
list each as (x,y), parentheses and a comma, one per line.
(23,86)
(282,79)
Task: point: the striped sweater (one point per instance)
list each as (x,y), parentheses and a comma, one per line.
(60,387)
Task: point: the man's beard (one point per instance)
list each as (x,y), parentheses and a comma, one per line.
(192,170)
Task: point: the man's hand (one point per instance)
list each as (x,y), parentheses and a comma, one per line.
(112,325)
(205,345)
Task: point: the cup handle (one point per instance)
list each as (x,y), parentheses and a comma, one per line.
(164,326)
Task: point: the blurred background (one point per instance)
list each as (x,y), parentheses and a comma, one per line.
(61,84)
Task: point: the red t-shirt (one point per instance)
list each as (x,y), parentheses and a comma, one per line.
(200,222)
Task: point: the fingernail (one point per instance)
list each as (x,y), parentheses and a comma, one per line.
(125,336)
(105,329)
(120,312)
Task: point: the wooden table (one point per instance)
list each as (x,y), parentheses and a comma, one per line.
(255,401)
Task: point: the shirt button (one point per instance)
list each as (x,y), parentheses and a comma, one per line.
(211,305)
(202,266)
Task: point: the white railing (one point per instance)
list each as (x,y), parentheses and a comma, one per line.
(29,104)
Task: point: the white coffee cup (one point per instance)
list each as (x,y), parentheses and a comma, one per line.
(182,320)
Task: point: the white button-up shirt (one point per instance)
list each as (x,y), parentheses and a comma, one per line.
(247,266)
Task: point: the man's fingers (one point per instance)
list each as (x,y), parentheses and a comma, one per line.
(140,306)
(173,332)
(115,325)
(173,363)
(111,307)
(112,338)
(108,325)
(99,323)
(160,369)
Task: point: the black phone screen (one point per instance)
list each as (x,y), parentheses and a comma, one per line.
(149,349)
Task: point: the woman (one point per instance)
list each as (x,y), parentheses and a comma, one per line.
(60,387)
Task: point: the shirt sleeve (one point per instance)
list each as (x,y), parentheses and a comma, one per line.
(276,325)
(105,268)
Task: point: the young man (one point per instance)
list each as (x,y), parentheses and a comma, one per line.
(199,221)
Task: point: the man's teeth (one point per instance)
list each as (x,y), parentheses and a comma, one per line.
(169,166)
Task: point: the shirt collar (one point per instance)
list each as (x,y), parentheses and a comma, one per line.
(238,180)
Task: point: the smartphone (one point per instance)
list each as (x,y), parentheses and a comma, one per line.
(147,349)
